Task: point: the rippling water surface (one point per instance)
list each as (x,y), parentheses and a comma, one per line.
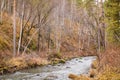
(57,72)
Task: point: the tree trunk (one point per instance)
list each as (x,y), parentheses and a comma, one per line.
(38,44)
(14,28)
(1,12)
(21,30)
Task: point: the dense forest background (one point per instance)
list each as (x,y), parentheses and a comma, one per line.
(60,27)
(64,25)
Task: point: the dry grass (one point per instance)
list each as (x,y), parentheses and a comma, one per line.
(25,61)
(6,34)
(111,57)
(81,77)
(110,73)
(94,64)
(107,69)
(12,64)
(93,73)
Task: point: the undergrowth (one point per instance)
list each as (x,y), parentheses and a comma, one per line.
(107,68)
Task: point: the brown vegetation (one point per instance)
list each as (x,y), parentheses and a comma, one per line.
(11,65)
(81,77)
(111,57)
(53,31)
(108,68)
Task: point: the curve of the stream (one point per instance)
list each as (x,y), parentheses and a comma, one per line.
(57,72)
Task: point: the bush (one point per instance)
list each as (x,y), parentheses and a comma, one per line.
(54,55)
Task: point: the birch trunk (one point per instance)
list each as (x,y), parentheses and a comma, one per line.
(1,12)
(21,30)
(14,28)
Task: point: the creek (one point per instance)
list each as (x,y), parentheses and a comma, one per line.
(57,72)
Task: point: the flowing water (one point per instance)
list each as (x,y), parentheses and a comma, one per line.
(57,72)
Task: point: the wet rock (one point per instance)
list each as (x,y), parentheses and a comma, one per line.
(58,65)
(81,61)
(67,67)
(37,74)
(77,59)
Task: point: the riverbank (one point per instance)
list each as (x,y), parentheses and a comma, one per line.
(106,68)
(59,71)
(13,64)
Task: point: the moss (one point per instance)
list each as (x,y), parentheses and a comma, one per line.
(62,61)
(56,61)
(58,55)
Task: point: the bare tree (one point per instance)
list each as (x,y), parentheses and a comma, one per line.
(40,21)
(21,28)
(1,10)
(14,28)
